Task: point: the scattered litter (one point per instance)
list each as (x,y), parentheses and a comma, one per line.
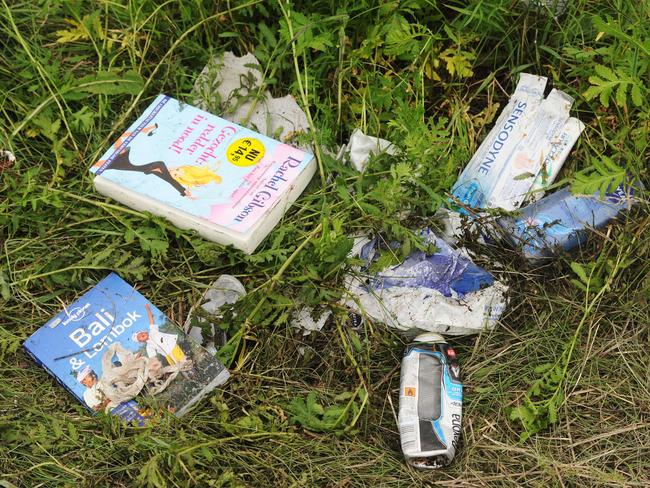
(523,152)
(361,147)
(443,292)
(560,221)
(224,291)
(430,402)
(7,159)
(232,85)
(303,319)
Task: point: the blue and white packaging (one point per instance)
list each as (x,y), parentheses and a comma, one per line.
(514,177)
(477,184)
(557,152)
(560,221)
(430,402)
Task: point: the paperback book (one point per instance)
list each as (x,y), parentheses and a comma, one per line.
(112,345)
(229,183)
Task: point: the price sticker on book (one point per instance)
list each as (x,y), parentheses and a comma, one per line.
(247,151)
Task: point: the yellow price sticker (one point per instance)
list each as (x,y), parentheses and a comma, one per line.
(247,151)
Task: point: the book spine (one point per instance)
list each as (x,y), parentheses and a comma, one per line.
(259,232)
(179,218)
(56,377)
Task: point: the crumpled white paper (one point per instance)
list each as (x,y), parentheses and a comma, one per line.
(231,86)
(7,159)
(423,308)
(361,147)
(303,319)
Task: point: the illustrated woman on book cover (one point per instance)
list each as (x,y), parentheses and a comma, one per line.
(182,178)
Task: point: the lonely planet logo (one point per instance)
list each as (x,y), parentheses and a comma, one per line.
(75,314)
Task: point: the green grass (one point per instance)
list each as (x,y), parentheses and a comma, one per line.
(428,75)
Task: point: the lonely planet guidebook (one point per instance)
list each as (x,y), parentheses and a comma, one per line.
(113,340)
(231,184)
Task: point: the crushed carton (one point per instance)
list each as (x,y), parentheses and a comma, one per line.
(430,402)
(523,152)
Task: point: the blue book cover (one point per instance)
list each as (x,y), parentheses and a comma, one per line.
(112,345)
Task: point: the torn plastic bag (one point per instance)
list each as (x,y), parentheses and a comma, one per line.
(444,292)
(445,270)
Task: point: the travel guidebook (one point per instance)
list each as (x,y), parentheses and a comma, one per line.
(231,184)
(112,344)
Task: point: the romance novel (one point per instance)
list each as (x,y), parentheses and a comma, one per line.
(229,183)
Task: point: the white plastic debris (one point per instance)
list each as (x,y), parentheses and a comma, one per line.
(361,147)
(7,159)
(232,85)
(444,292)
(452,225)
(225,290)
(303,319)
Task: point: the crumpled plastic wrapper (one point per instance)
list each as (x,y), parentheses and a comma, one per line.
(225,290)
(230,86)
(555,7)
(303,320)
(361,147)
(444,292)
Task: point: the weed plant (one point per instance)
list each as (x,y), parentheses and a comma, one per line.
(558,394)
